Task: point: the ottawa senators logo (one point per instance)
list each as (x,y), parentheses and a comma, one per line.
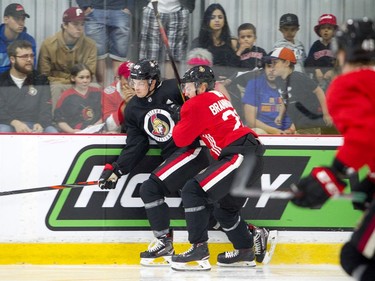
(87,113)
(158,125)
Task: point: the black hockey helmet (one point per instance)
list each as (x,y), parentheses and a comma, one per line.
(200,74)
(357,39)
(145,69)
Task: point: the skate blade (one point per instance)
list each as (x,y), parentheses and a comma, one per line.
(160,261)
(272,241)
(238,264)
(202,265)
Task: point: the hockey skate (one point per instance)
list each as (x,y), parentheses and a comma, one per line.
(159,251)
(263,238)
(194,259)
(237,258)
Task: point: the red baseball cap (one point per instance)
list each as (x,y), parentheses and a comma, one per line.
(73,14)
(325,19)
(282,53)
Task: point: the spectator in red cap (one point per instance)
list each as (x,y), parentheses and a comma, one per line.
(11,30)
(303,100)
(115,97)
(320,60)
(66,48)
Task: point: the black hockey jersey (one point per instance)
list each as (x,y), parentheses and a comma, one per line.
(150,118)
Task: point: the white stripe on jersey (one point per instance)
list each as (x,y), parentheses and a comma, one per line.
(213,147)
(187,159)
(224,173)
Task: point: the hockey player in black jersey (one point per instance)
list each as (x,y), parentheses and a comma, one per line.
(151,115)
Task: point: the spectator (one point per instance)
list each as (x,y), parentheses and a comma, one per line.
(80,106)
(25,97)
(303,100)
(250,55)
(13,29)
(262,104)
(115,97)
(200,56)
(215,36)
(289,27)
(174,15)
(60,52)
(109,24)
(320,61)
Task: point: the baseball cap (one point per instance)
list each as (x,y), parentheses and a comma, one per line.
(73,14)
(281,53)
(289,19)
(325,19)
(15,10)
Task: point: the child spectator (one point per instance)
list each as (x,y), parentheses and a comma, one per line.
(289,27)
(64,49)
(262,104)
(320,61)
(13,29)
(115,97)
(80,106)
(25,97)
(250,55)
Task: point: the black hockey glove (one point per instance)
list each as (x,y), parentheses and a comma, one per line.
(175,112)
(323,182)
(109,177)
(366,187)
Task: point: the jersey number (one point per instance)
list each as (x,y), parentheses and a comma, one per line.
(228,113)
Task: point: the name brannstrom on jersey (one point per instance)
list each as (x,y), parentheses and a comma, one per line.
(219,106)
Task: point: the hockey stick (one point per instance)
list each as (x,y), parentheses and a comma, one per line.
(166,44)
(52,187)
(239,186)
(254,192)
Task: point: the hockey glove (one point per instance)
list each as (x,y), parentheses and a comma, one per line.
(109,177)
(175,112)
(367,187)
(314,190)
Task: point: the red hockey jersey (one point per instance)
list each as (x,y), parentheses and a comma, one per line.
(211,117)
(351,103)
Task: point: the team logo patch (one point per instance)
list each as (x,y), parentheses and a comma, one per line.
(88,113)
(110,90)
(158,125)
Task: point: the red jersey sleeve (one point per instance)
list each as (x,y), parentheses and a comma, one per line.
(351,103)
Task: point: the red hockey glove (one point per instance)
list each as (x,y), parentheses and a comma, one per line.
(314,190)
(367,187)
(109,177)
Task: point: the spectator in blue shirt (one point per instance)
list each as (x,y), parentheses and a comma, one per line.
(262,103)
(11,30)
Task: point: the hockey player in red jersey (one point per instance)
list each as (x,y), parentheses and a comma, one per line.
(209,115)
(351,103)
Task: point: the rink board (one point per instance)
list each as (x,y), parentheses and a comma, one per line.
(89,225)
